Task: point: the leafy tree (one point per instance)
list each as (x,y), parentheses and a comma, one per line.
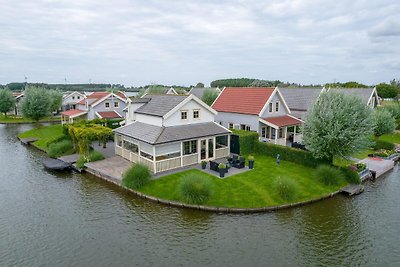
(384,122)
(387,90)
(56,99)
(7,101)
(346,85)
(337,126)
(36,104)
(200,85)
(209,96)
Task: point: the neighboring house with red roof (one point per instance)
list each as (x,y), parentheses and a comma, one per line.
(167,132)
(260,109)
(104,105)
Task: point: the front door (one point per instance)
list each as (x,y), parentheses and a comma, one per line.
(207,149)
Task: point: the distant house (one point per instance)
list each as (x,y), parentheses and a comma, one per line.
(301,99)
(159,91)
(166,132)
(260,109)
(199,91)
(70,100)
(103,105)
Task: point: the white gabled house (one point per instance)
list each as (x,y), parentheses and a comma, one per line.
(259,109)
(166,132)
(70,100)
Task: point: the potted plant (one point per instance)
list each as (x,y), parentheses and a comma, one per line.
(203,164)
(222,170)
(251,161)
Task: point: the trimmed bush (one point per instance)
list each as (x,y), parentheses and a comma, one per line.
(329,175)
(247,141)
(380,144)
(92,157)
(351,176)
(286,188)
(195,189)
(60,148)
(136,176)
(289,154)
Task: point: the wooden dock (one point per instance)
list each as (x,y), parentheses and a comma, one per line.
(353,189)
(378,166)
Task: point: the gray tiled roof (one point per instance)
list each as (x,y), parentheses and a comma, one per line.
(199,91)
(363,93)
(139,100)
(300,98)
(159,105)
(158,135)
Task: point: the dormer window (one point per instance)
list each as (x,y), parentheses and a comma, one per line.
(184,114)
(116,104)
(196,114)
(277,106)
(107,105)
(270,107)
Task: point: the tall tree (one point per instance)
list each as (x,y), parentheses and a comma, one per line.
(337,126)
(36,104)
(56,99)
(387,90)
(200,85)
(385,123)
(209,96)
(7,101)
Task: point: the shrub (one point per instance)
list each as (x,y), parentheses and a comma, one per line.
(247,141)
(195,189)
(380,144)
(136,176)
(60,148)
(329,175)
(289,154)
(351,176)
(92,157)
(286,188)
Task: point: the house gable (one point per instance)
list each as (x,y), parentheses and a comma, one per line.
(278,104)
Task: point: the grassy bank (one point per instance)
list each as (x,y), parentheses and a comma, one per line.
(393,138)
(14,119)
(251,189)
(45,134)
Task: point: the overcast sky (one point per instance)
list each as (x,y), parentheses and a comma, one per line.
(185,42)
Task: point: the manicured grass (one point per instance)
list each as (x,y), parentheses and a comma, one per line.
(393,138)
(45,134)
(251,189)
(13,119)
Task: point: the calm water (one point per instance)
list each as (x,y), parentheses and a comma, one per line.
(49,219)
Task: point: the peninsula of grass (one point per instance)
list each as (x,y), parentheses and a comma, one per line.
(252,189)
(13,119)
(45,134)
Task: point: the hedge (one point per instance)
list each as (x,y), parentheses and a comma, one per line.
(380,144)
(289,154)
(247,141)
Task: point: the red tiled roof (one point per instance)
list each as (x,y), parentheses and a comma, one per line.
(72,112)
(244,100)
(283,121)
(109,114)
(97,96)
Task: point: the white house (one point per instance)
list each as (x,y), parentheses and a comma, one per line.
(70,100)
(259,109)
(103,105)
(166,132)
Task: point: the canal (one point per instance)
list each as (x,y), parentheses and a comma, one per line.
(50,219)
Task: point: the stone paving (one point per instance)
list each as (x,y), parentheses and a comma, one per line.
(70,158)
(378,165)
(107,152)
(111,168)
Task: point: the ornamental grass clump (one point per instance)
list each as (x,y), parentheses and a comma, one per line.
(351,175)
(60,148)
(136,176)
(91,157)
(195,189)
(286,188)
(329,175)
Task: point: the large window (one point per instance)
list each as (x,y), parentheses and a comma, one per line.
(119,140)
(189,147)
(168,156)
(184,114)
(131,147)
(230,125)
(280,135)
(244,127)
(221,141)
(146,155)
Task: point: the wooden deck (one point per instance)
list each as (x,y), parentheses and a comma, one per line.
(353,189)
(378,166)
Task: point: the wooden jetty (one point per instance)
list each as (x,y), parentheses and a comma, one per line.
(28,141)
(353,189)
(56,164)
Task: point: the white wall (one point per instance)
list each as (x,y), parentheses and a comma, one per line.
(282,111)
(175,119)
(153,120)
(236,118)
(168,149)
(130,114)
(68,100)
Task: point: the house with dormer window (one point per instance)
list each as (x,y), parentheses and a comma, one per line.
(167,132)
(259,109)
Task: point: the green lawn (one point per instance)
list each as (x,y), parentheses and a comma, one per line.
(393,138)
(250,189)
(13,119)
(45,134)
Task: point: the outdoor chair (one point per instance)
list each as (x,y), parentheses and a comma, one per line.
(239,164)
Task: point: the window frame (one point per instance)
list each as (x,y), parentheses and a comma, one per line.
(186,114)
(117,104)
(277,106)
(198,114)
(270,107)
(105,105)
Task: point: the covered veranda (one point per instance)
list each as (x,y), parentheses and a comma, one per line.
(282,130)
